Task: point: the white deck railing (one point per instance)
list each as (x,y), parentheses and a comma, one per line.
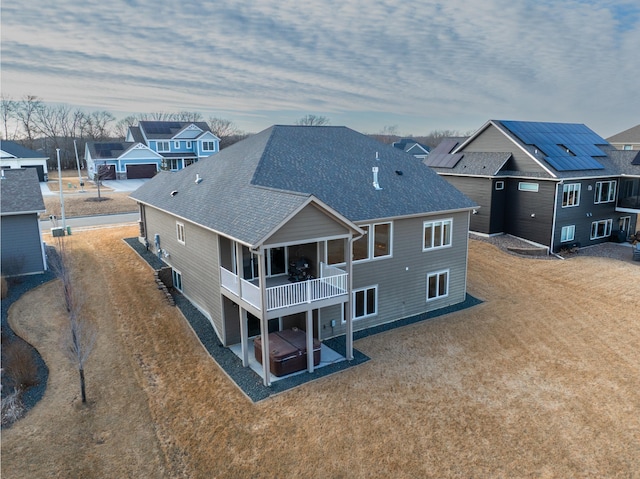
(332,283)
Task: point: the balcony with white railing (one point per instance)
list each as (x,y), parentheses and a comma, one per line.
(332,283)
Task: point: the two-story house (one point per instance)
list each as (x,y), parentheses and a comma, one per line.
(319,228)
(554,184)
(628,139)
(149,147)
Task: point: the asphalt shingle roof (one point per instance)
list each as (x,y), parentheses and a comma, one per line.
(20,191)
(19,151)
(250,187)
(631,135)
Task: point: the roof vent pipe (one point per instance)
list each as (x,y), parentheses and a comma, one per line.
(198,179)
(375,178)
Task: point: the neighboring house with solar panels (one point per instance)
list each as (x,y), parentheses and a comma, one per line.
(554,184)
(22,250)
(259,237)
(13,155)
(152,146)
(627,139)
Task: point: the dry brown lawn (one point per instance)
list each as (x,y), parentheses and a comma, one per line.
(541,380)
(87,204)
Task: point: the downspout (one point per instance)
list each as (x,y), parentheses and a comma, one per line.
(553,223)
(348,316)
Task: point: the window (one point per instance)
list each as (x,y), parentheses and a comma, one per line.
(437,234)
(177,279)
(208,145)
(169,164)
(605,192)
(335,251)
(361,246)
(188,145)
(499,185)
(568,233)
(570,195)
(522,186)
(624,223)
(365,302)
(189,161)
(627,147)
(163,146)
(180,232)
(176,145)
(377,243)
(601,229)
(437,285)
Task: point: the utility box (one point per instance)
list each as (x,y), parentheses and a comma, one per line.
(57,232)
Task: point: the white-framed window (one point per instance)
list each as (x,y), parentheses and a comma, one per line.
(605,192)
(499,185)
(188,143)
(437,285)
(524,186)
(568,233)
(176,145)
(177,279)
(437,234)
(627,147)
(163,146)
(180,232)
(570,195)
(624,223)
(208,145)
(334,251)
(601,229)
(170,164)
(376,244)
(365,302)
(189,161)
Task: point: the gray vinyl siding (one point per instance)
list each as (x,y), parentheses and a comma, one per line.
(21,245)
(481,191)
(197,260)
(402,279)
(520,205)
(493,140)
(308,225)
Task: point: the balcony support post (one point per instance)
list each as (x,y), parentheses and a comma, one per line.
(309,317)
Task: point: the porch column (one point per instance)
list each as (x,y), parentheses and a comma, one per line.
(239,268)
(264,322)
(347,305)
(309,316)
(244,337)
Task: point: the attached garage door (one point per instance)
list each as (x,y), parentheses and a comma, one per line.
(141,171)
(39,169)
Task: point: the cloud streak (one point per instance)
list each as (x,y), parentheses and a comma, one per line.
(420,65)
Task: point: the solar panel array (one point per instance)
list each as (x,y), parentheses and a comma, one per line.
(105,150)
(566,146)
(161,127)
(441,156)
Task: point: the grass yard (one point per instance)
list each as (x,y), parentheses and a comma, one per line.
(541,380)
(87,204)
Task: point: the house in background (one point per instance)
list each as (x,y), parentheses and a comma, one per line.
(22,250)
(317,228)
(151,146)
(627,139)
(554,184)
(412,147)
(13,155)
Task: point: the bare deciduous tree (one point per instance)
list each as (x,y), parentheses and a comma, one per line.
(8,114)
(226,130)
(312,120)
(81,334)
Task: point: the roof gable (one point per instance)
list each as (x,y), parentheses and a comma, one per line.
(11,149)
(20,191)
(631,135)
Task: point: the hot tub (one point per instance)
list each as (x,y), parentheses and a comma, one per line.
(287,351)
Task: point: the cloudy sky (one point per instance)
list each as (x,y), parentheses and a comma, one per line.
(419,66)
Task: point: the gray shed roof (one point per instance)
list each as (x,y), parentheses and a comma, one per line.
(252,186)
(18,151)
(20,191)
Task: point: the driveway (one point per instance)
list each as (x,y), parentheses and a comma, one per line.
(124,185)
